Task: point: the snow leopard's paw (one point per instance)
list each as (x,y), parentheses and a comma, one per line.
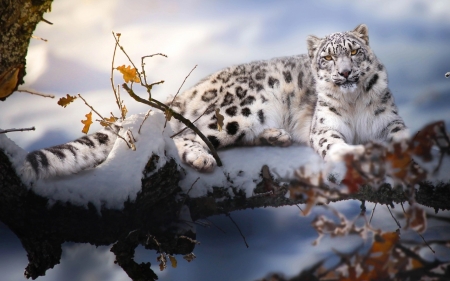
(195,155)
(275,137)
(338,151)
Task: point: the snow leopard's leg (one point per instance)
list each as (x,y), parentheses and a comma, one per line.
(194,153)
(275,137)
(69,158)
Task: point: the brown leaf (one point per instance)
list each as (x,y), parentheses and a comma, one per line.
(219,120)
(8,80)
(109,120)
(173,261)
(64,101)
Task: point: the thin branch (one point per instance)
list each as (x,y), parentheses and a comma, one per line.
(185,128)
(143,70)
(145,118)
(112,73)
(243,237)
(182,85)
(16,130)
(39,38)
(373,211)
(129,146)
(398,224)
(46,21)
(159,105)
(35,93)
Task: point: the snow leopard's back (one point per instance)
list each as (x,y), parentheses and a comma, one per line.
(277,93)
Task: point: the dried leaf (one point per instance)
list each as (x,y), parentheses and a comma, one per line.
(124,111)
(87,123)
(109,120)
(353,178)
(219,120)
(8,81)
(189,257)
(416,218)
(173,261)
(168,113)
(129,74)
(64,101)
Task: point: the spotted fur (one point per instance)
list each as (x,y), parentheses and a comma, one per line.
(334,99)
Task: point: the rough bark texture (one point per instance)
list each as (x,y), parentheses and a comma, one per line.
(18,19)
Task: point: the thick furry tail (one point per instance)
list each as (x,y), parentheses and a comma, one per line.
(69,158)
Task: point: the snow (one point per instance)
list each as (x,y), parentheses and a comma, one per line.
(119,178)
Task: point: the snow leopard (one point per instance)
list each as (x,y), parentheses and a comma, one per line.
(334,99)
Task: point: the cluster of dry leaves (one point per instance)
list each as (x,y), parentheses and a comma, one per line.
(388,258)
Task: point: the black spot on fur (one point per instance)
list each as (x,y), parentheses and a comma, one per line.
(329,145)
(396,129)
(227,100)
(260,75)
(184,156)
(321,120)
(263,99)
(380,67)
(232,128)
(287,76)
(386,97)
(231,111)
(209,95)
(324,153)
(214,141)
(241,93)
(300,80)
(240,138)
(334,110)
(372,82)
(246,111)
(259,87)
(85,141)
(194,93)
(102,138)
(322,141)
(57,152)
(213,126)
(240,70)
(224,76)
(261,116)
(248,100)
(379,110)
(335,136)
(272,81)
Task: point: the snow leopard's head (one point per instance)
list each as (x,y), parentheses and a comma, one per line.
(342,59)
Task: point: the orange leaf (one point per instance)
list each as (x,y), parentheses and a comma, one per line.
(129,74)
(124,111)
(111,119)
(173,261)
(87,123)
(65,101)
(219,120)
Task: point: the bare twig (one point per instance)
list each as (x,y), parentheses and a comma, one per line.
(143,70)
(35,93)
(16,130)
(373,211)
(116,93)
(190,239)
(145,118)
(398,224)
(243,237)
(182,85)
(159,105)
(129,146)
(39,38)
(185,128)
(46,21)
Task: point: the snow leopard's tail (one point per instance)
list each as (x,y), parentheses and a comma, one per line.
(69,158)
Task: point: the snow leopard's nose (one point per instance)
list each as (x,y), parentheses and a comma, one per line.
(345,73)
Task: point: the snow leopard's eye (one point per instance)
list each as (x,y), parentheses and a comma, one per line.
(328,57)
(353,52)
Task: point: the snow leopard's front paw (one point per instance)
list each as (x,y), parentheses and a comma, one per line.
(275,137)
(338,151)
(195,155)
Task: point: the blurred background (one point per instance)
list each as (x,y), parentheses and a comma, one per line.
(411,37)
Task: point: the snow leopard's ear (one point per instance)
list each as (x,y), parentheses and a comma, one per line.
(313,43)
(362,32)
